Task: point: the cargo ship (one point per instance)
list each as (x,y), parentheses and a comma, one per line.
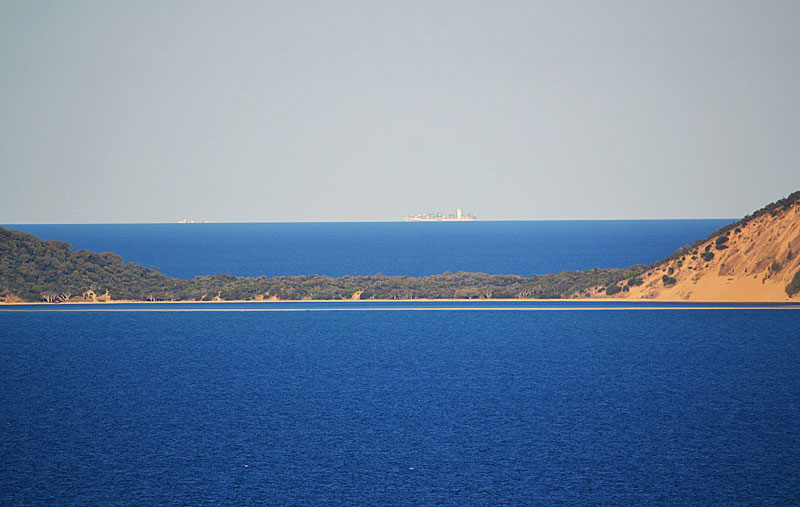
(458,216)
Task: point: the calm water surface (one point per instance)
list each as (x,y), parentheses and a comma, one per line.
(400,407)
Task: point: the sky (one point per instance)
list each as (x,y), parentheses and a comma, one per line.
(367,111)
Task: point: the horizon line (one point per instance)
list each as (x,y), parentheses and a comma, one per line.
(211,222)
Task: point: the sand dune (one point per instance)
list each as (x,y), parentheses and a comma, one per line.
(755,263)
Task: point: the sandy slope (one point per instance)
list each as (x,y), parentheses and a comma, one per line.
(742,272)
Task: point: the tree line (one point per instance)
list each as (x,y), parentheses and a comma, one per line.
(52,271)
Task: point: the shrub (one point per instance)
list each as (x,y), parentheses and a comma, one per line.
(721,240)
(775,266)
(790,255)
(613,289)
(671,270)
(794,286)
(707,256)
(668,280)
(635,282)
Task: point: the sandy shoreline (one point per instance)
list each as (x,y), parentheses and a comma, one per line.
(401,301)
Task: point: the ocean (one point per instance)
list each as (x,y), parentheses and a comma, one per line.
(670,406)
(371,403)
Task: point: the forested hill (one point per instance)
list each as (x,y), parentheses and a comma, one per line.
(35,270)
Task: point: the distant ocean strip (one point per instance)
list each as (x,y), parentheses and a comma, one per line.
(405,249)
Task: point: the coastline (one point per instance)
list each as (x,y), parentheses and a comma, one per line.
(750,261)
(420,300)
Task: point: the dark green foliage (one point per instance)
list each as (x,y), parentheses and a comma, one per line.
(721,239)
(35,270)
(635,282)
(31,269)
(613,289)
(707,256)
(671,270)
(774,266)
(790,255)
(794,286)
(668,280)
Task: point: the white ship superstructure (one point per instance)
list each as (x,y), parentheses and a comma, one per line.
(458,216)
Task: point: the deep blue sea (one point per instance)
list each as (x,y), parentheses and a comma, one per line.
(560,404)
(372,403)
(413,249)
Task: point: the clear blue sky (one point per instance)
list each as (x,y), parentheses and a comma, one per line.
(297,111)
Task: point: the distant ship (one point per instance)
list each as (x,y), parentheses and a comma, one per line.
(458,216)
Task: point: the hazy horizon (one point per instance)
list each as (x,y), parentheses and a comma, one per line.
(209,222)
(153,112)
